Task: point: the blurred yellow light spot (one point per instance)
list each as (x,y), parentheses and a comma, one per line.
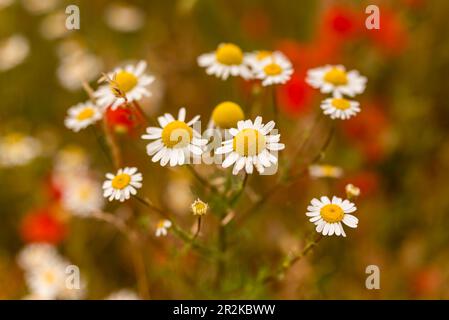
(272,69)
(49,277)
(249,142)
(125,81)
(340,103)
(121,181)
(332,213)
(336,76)
(263,54)
(229,54)
(177,134)
(85,114)
(227,114)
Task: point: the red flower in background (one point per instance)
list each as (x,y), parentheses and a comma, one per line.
(368,131)
(123,120)
(256,23)
(295,96)
(426,282)
(340,23)
(42,225)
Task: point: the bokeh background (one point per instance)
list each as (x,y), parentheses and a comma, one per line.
(396,150)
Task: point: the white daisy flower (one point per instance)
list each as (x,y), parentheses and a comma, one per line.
(276,69)
(227,60)
(13,51)
(124,17)
(17,149)
(82,115)
(352,191)
(256,58)
(340,108)
(82,196)
(325,171)
(336,80)
(162,228)
(175,140)
(47,280)
(123,294)
(130,80)
(252,145)
(328,215)
(123,184)
(33,255)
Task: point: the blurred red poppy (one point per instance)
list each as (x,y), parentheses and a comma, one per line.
(42,225)
(256,23)
(426,282)
(123,120)
(341,23)
(295,96)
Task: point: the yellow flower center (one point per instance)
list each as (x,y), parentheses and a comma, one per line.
(336,76)
(249,142)
(199,207)
(14,138)
(125,81)
(161,224)
(340,103)
(85,114)
(328,170)
(177,134)
(229,54)
(227,114)
(272,69)
(121,181)
(263,54)
(49,277)
(332,213)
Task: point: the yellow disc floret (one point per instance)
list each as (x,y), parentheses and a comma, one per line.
(177,134)
(332,213)
(340,103)
(85,114)
(229,54)
(336,76)
(125,81)
(227,114)
(272,69)
(249,142)
(121,181)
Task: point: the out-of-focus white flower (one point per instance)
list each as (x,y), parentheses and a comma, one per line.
(325,171)
(71,160)
(82,115)
(47,280)
(17,149)
(256,58)
(228,59)
(352,191)
(78,67)
(275,69)
(340,108)
(82,196)
(53,26)
(178,195)
(13,51)
(33,255)
(123,294)
(5,3)
(130,81)
(39,6)
(123,184)
(124,18)
(162,227)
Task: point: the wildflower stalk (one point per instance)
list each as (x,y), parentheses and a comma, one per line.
(202,180)
(274,104)
(279,274)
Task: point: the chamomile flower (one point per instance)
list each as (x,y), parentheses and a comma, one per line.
(82,115)
(82,196)
(352,191)
(336,80)
(325,171)
(276,69)
(251,146)
(129,82)
(256,58)
(17,149)
(34,254)
(162,228)
(199,207)
(340,108)
(123,184)
(226,115)
(175,140)
(13,51)
(47,280)
(328,215)
(227,59)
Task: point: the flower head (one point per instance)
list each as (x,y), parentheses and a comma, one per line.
(328,215)
(336,80)
(82,115)
(175,140)
(199,207)
(43,225)
(162,227)
(226,115)
(251,145)
(82,196)
(325,171)
(275,69)
(227,59)
(123,184)
(124,85)
(340,108)
(17,149)
(352,191)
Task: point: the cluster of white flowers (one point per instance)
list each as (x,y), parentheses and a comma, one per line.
(337,81)
(229,60)
(47,274)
